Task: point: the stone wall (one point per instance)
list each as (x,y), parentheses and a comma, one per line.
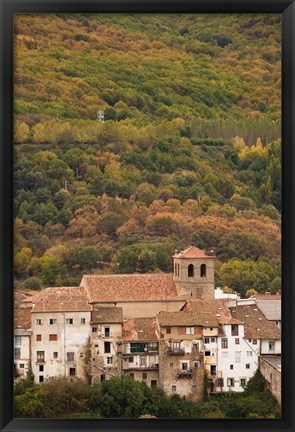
(273,376)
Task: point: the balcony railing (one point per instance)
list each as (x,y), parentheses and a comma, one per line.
(40,360)
(186,373)
(176,351)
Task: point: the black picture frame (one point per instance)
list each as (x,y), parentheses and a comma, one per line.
(11,7)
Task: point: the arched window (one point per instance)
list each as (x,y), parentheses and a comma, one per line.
(190,270)
(203,270)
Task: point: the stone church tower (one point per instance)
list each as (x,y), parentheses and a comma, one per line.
(194,273)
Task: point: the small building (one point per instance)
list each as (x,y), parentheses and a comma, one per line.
(22,341)
(106,340)
(181,354)
(60,341)
(140,354)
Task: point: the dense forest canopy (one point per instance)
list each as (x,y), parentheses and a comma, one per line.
(189,151)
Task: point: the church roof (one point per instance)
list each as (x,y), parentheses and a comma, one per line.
(193,252)
(130,287)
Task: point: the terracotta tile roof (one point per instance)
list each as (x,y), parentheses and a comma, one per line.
(217,308)
(139,329)
(229,320)
(61,299)
(257,326)
(22,297)
(22,318)
(114,288)
(268,296)
(182,318)
(107,315)
(193,252)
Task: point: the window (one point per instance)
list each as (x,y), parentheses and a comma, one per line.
(17,353)
(175,269)
(194,388)
(55,355)
(83,321)
(213,370)
(109,360)
(153,346)
(212,340)
(230,382)
(38,338)
(173,389)
(248,366)
(53,337)
(69,321)
(224,343)
(144,375)
(131,375)
(271,346)
(190,270)
(107,347)
(203,270)
(184,365)
(94,329)
(234,330)
(52,321)
(190,330)
(196,364)
(17,340)
(237,341)
(231,367)
(22,366)
(168,330)
(153,383)
(41,378)
(41,368)
(39,321)
(107,331)
(249,353)
(207,353)
(220,382)
(250,340)
(270,377)
(131,359)
(70,356)
(238,356)
(138,347)
(72,371)
(211,328)
(176,346)
(206,340)
(243,382)
(254,341)
(142,361)
(81,355)
(224,354)
(40,356)
(171,365)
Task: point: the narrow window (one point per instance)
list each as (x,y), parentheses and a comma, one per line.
(55,355)
(94,329)
(17,353)
(144,375)
(235,330)
(207,340)
(231,367)
(224,343)
(109,360)
(83,320)
(41,368)
(248,366)
(203,270)
(254,341)
(70,356)
(184,366)
(271,346)
(40,356)
(39,321)
(69,321)
(17,340)
(220,382)
(230,382)
(72,371)
(190,270)
(237,357)
(142,361)
(243,382)
(237,341)
(41,378)
(107,347)
(107,331)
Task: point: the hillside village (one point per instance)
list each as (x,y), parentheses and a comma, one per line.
(175,331)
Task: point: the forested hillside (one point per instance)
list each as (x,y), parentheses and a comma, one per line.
(189,150)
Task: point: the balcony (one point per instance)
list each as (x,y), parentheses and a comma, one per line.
(175,351)
(40,360)
(187,373)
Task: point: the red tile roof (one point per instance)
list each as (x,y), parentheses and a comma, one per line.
(257,326)
(193,252)
(182,318)
(130,287)
(107,315)
(62,299)
(22,318)
(139,329)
